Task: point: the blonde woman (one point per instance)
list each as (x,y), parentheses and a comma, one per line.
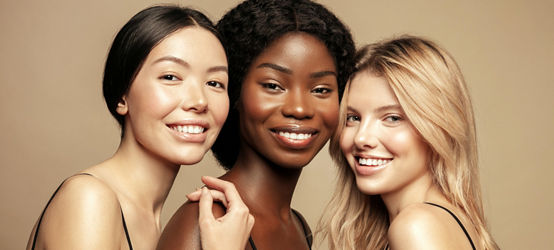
(407,154)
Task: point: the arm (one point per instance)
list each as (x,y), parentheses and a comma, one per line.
(420,227)
(84,214)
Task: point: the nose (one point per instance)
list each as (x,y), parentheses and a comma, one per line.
(298,104)
(366,136)
(194,99)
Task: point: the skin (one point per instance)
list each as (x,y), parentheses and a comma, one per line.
(180,82)
(290,87)
(378,130)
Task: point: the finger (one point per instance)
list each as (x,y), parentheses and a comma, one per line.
(194,196)
(205,207)
(227,188)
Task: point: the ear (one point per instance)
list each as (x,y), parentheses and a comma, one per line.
(122,107)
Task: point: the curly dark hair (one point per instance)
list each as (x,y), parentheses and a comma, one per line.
(134,42)
(252,26)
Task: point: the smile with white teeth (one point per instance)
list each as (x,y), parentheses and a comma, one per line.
(295,136)
(190,129)
(372,162)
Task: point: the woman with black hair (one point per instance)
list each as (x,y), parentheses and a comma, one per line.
(165,82)
(288,64)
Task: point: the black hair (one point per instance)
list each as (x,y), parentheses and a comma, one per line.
(252,26)
(134,42)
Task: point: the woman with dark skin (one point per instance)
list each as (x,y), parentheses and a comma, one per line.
(288,63)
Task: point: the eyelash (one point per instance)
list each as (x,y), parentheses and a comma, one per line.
(169,77)
(350,117)
(322,91)
(393,118)
(218,84)
(272,86)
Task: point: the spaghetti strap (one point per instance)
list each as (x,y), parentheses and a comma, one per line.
(35,237)
(457,220)
(126,231)
(307,232)
(301,219)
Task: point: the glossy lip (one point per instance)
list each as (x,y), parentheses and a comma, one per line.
(367,170)
(294,143)
(187,137)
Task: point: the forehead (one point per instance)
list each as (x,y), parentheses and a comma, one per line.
(296,48)
(370,90)
(191,43)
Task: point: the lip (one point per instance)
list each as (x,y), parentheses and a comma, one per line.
(189,137)
(367,170)
(306,134)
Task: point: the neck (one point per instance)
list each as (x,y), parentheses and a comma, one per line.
(139,177)
(416,192)
(265,188)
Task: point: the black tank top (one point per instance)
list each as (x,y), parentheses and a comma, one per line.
(457,220)
(308,235)
(47,204)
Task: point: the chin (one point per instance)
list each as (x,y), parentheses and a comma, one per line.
(366,189)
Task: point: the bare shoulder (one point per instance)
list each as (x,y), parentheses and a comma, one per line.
(84,213)
(422,226)
(182,231)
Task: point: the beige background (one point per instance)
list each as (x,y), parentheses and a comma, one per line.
(54,121)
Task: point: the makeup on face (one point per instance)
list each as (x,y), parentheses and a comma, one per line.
(289,100)
(380,144)
(178,101)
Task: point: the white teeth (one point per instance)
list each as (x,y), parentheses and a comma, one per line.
(191,129)
(295,136)
(372,162)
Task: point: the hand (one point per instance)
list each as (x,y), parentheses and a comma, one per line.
(230,231)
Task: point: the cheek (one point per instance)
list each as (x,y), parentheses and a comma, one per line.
(329,110)
(402,141)
(220,108)
(152,100)
(256,106)
(347,140)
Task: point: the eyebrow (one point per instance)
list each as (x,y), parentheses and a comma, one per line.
(185,64)
(275,67)
(322,74)
(289,71)
(379,109)
(388,107)
(172,59)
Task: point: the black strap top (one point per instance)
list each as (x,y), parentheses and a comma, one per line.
(51,198)
(457,220)
(308,234)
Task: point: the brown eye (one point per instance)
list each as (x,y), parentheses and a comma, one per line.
(215,84)
(322,90)
(169,77)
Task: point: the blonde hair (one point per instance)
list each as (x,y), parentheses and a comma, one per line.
(431,90)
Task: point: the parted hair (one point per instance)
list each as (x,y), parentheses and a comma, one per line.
(133,43)
(252,26)
(433,94)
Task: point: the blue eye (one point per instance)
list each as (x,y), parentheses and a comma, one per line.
(393,118)
(352,118)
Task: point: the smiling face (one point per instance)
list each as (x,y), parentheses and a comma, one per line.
(380,144)
(289,101)
(178,101)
